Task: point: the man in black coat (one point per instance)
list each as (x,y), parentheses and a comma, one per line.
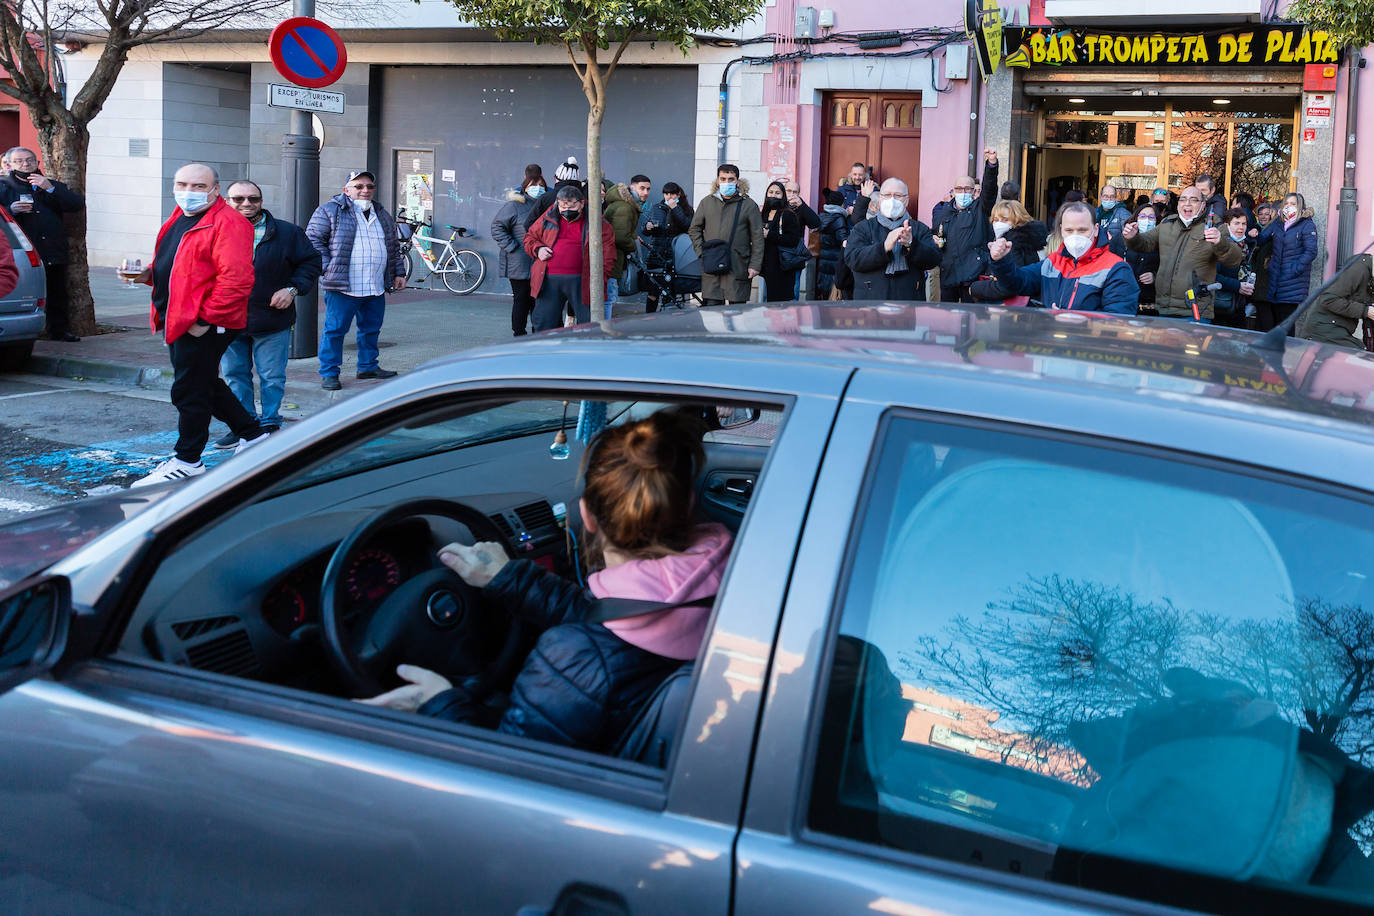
(285,265)
(889,253)
(963,230)
(37,204)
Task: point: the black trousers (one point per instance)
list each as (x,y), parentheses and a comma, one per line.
(1271,314)
(559,291)
(198,393)
(960,292)
(57,320)
(521,306)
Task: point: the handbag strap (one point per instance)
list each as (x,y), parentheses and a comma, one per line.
(730,243)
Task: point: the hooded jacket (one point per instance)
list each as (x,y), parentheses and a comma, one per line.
(508,230)
(1183,252)
(1336,313)
(212,274)
(712,221)
(834,231)
(543,232)
(583,683)
(622,212)
(283,258)
(668,224)
(331,230)
(1290,262)
(1100,281)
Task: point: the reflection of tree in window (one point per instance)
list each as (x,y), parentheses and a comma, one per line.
(1059,655)
(1197,148)
(1262,160)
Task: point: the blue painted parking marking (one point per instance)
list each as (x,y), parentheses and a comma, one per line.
(78,470)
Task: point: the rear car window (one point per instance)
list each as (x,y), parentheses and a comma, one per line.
(1082,666)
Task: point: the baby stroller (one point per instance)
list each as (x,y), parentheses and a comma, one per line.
(673,271)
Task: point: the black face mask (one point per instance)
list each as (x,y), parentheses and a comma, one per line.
(22,176)
(772,203)
(570,215)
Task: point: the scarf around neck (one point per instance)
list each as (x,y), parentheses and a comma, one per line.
(896,262)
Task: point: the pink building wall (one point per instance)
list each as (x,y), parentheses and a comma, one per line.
(944,127)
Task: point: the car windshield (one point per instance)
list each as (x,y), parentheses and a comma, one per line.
(431,435)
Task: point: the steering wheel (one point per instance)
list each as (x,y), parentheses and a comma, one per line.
(434,620)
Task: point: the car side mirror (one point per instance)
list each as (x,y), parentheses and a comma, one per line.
(735,417)
(33,628)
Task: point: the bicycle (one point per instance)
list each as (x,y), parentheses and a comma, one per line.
(461,269)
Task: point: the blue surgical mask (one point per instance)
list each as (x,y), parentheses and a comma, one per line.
(727,189)
(963,199)
(534,191)
(192,201)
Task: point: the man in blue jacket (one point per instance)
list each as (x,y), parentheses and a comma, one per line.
(285,265)
(362,262)
(1083,275)
(1112,215)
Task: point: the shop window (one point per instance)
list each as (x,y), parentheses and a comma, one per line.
(1262,162)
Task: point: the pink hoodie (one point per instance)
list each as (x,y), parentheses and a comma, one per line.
(678,632)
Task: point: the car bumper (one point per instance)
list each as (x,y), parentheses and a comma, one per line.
(17,328)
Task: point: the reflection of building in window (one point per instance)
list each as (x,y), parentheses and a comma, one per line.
(940,721)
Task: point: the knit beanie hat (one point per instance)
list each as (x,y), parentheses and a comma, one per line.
(568,171)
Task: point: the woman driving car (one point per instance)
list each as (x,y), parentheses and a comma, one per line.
(583,682)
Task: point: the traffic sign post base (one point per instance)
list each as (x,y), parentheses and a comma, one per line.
(300,184)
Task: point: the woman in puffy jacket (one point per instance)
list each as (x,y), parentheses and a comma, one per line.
(1144,264)
(523,205)
(1028,237)
(834,231)
(1294,238)
(583,683)
(662,223)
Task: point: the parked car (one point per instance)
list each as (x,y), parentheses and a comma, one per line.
(1027,612)
(21,312)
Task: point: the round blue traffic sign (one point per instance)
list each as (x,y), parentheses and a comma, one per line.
(307,52)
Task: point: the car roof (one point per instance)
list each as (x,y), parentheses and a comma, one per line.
(1087,350)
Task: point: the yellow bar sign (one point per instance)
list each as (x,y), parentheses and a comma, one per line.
(1266,45)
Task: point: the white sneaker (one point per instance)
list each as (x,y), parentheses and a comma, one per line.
(244,443)
(171,469)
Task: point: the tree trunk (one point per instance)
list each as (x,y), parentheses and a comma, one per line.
(65,144)
(598,280)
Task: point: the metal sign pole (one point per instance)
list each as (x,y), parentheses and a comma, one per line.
(300,167)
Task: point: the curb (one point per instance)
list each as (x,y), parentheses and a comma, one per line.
(75,367)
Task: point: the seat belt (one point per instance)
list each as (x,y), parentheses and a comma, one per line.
(604,609)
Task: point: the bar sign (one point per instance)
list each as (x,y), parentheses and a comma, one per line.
(301,99)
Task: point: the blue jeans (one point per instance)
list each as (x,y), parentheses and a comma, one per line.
(267,353)
(339,312)
(612,294)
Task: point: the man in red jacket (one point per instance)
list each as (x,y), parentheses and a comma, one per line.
(202,276)
(562,272)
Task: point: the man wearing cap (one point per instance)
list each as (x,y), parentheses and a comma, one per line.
(356,239)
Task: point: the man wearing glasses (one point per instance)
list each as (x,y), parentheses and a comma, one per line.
(963,230)
(356,239)
(285,265)
(889,253)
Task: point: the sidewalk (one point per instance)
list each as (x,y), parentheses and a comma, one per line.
(420,325)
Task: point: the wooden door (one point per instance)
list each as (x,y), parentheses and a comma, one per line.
(881,129)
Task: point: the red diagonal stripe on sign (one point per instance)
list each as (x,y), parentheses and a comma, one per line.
(310,52)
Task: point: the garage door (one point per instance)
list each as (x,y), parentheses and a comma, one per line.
(483,124)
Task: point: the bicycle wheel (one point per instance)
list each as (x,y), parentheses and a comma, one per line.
(462,270)
(410,262)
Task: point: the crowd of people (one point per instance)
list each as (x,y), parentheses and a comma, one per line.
(1189,254)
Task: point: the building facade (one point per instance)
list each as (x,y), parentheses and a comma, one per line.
(448,117)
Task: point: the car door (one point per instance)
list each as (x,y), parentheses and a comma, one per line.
(1034,666)
(161,789)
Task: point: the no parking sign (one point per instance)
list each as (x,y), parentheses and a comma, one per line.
(307,52)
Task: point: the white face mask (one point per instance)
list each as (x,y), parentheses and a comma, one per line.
(1290,211)
(1077,245)
(1186,220)
(1000,228)
(891,207)
(363,205)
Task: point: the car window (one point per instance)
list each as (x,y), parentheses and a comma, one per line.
(1078,665)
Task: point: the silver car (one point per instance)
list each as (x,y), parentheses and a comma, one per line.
(1027,613)
(21,312)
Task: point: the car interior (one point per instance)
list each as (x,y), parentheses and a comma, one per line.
(330,578)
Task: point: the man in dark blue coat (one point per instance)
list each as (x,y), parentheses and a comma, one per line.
(285,265)
(963,230)
(38,204)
